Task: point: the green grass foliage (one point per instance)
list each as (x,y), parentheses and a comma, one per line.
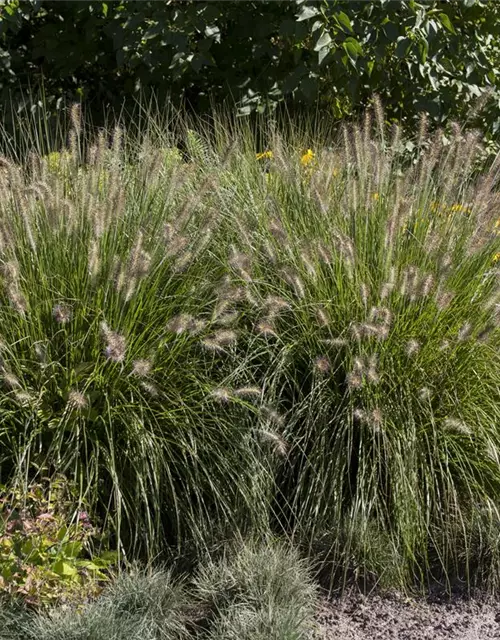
(307,339)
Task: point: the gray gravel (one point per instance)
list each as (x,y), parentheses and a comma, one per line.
(358,617)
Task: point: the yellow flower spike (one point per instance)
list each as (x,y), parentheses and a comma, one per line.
(335,172)
(307,158)
(496,258)
(497,224)
(265,155)
(376,196)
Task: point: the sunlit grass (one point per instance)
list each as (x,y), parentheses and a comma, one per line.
(303,335)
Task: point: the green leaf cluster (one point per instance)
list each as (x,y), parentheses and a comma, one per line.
(45,545)
(438,57)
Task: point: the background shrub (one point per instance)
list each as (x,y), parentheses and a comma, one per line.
(438,57)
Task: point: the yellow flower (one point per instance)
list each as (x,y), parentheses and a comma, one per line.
(265,155)
(307,158)
(496,258)
(335,172)
(376,196)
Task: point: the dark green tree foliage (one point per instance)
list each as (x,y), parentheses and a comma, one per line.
(437,56)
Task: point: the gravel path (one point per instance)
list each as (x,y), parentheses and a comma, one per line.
(359,617)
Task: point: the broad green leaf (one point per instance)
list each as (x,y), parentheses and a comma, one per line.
(307,13)
(64,569)
(72,549)
(344,20)
(434,81)
(352,48)
(323,41)
(391,31)
(446,22)
(322,54)
(213,31)
(402,47)
(423,49)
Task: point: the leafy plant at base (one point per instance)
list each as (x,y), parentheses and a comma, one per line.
(44,544)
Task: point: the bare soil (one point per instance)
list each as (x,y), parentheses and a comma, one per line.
(375,617)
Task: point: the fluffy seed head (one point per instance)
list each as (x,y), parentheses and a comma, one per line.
(359,415)
(24,398)
(269,252)
(62,314)
(365,292)
(322,365)
(322,317)
(17,300)
(376,419)
(443,299)
(75,115)
(381,315)
(179,323)
(452,424)
(280,445)
(266,328)
(227,319)
(10,380)
(93,259)
(369,330)
(116,346)
(77,401)
(276,305)
(424,394)
(225,337)
(10,272)
(291,277)
(248,392)
(336,342)
(41,353)
(196,326)
(464,332)
(150,388)
(176,246)
(386,289)
(139,260)
(241,263)
(142,368)
(222,395)
(277,230)
(371,371)
(412,347)
(354,380)
(306,261)
(427,285)
(356,331)
(270,414)
(324,253)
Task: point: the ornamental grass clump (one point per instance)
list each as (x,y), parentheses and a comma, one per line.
(388,336)
(354,292)
(111,345)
